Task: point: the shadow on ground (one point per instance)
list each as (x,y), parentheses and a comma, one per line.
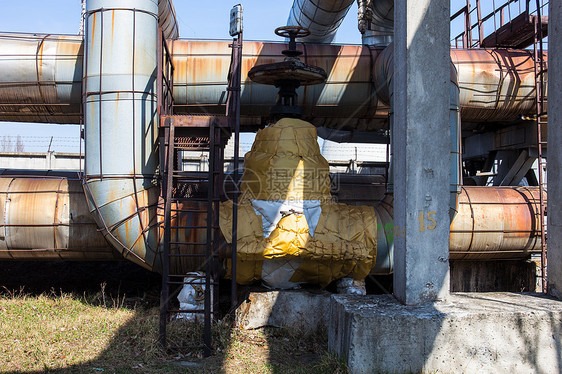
(125,288)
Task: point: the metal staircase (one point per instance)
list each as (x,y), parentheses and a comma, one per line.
(191,217)
(191,199)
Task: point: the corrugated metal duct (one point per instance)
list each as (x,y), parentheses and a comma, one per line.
(121,125)
(167,19)
(322,18)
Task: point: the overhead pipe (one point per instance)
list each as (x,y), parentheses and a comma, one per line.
(167,19)
(40,78)
(121,126)
(376,22)
(45,217)
(495,85)
(322,18)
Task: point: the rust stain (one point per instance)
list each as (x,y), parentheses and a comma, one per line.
(112,23)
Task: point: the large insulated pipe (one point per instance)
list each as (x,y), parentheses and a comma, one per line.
(384,69)
(495,85)
(496,222)
(376,21)
(167,19)
(121,124)
(47,218)
(40,78)
(492,223)
(322,18)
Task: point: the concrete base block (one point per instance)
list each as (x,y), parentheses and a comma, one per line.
(484,333)
(297,309)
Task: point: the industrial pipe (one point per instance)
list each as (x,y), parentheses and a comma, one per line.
(496,222)
(495,85)
(322,18)
(40,78)
(121,126)
(167,19)
(491,223)
(376,22)
(47,218)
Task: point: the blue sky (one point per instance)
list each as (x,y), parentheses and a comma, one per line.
(207,20)
(196,20)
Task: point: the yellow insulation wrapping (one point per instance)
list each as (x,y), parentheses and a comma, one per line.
(285,164)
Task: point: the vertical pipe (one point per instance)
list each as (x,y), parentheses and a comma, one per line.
(120,177)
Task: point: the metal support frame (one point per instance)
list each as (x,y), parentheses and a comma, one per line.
(176,136)
(233,118)
(540,70)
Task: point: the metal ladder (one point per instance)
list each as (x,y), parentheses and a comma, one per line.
(191,222)
(540,70)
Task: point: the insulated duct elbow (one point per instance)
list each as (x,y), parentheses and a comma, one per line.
(167,19)
(121,125)
(321,18)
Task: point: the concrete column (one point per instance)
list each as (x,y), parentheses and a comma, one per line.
(422,150)
(554,163)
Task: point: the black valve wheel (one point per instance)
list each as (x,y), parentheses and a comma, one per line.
(292,31)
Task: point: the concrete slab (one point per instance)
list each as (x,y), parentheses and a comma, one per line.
(471,332)
(306,310)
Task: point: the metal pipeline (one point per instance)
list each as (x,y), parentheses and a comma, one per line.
(322,18)
(384,68)
(376,22)
(167,19)
(491,223)
(495,85)
(40,78)
(121,126)
(47,218)
(496,223)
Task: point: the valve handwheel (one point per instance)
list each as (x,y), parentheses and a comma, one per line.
(292,32)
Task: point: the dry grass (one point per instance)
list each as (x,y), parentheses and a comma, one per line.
(65,333)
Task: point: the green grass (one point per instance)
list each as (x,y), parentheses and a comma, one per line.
(66,333)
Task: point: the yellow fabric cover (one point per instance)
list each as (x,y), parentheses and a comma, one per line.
(285,163)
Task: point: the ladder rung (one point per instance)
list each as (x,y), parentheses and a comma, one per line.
(191,255)
(187,210)
(213,283)
(194,227)
(194,311)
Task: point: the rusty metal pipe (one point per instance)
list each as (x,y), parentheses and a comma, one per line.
(496,223)
(495,85)
(48,219)
(40,78)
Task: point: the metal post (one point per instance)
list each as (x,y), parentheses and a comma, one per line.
(480,24)
(233,114)
(167,232)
